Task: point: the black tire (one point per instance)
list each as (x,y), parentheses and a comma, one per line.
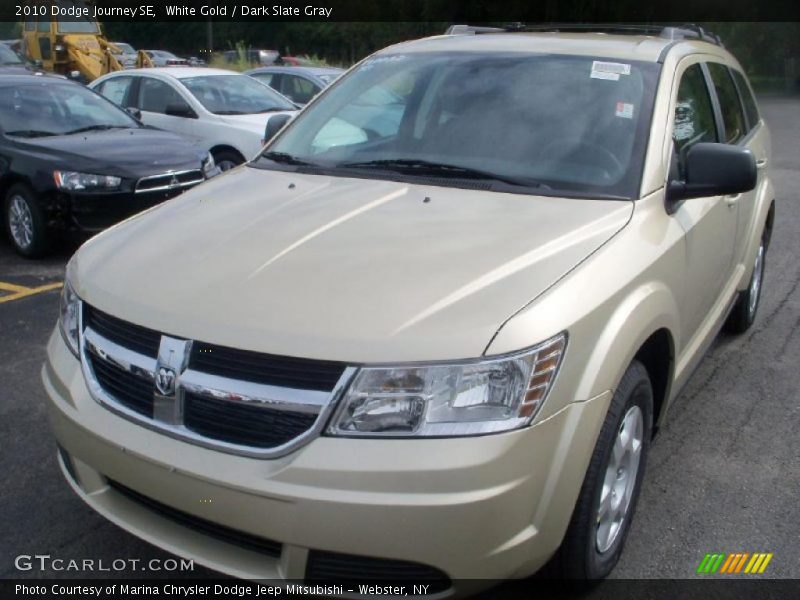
(579,559)
(743,314)
(38,240)
(227,159)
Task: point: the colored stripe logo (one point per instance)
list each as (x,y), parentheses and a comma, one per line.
(738,562)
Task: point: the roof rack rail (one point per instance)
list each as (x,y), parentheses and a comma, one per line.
(671,32)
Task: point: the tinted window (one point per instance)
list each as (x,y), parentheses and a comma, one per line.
(694,115)
(234,95)
(8,56)
(30,25)
(116,90)
(155,95)
(298,89)
(76,25)
(263,77)
(43,24)
(41,109)
(750,108)
(732,115)
(566,123)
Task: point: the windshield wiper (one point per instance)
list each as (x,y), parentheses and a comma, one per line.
(95,128)
(230,112)
(424,167)
(272,109)
(31,133)
(286,159)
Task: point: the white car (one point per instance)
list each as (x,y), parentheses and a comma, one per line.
(227,110)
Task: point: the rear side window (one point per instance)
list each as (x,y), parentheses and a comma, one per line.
(694,115)
(750,107)
(731,108)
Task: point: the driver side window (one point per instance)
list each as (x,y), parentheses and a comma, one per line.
(156,95)
(694,115)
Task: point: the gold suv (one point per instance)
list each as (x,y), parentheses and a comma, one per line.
(429,332)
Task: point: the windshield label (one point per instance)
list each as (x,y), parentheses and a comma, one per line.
(609,70)
(624,110)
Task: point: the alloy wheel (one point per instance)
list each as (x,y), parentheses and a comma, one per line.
(20,222)
(620,479)
(755,283)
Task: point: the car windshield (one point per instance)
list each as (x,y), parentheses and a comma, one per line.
(126,48)
(45,109)
(76,25)
(562,125)
(8,56)
(235,95)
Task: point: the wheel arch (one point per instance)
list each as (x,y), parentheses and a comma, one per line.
(226,148)
(643,327)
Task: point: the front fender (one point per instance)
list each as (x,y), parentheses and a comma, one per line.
(646,310)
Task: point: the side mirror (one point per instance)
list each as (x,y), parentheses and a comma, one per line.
(274,125)
(180,109)
(715,170)
(134,112)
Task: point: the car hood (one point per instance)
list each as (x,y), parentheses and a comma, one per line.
(125,152)
(256,122)
(338,268)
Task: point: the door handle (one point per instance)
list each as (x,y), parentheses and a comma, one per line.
(731,201)
(761,163)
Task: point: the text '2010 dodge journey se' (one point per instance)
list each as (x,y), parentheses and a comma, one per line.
(430,331)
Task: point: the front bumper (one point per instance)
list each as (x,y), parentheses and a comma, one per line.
(479,508)
(93,212)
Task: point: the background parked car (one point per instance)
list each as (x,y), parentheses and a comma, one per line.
(128,57)
(227,110)
(72,160)
(10,62)
(253,55)
(299,84)
(162,58)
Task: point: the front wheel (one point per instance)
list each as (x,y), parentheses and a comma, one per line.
(743,314)
(605,507)
(25,223)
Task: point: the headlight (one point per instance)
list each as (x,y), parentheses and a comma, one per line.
(68,321)
(458,399)
(72,181)
(209,166)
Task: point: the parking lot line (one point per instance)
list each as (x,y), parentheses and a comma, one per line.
(20,291)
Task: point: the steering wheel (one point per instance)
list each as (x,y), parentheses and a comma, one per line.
(571,148)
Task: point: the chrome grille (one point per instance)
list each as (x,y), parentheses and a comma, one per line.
(266,406)
(169,181)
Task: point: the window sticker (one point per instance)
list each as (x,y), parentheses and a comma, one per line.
(624,110)
(609,70)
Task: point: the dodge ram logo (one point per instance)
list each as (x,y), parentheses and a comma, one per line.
(165,381)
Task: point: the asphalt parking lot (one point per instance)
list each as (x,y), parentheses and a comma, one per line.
(723,476)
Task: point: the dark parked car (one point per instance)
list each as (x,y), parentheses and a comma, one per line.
(11,63)
(71,160)
(299,84)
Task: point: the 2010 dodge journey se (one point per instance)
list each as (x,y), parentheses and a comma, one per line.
(429,332)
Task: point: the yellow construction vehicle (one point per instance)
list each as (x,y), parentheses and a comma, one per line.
(71,45)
